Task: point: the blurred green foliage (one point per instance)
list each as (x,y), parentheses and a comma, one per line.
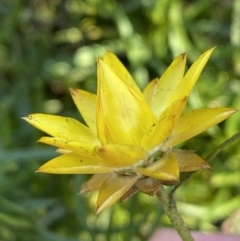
(47,46)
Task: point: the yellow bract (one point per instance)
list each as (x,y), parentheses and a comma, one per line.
(126,129)
(122,113)
(72,163)
(86,104)
(195,122)
(166,168)
(113,188)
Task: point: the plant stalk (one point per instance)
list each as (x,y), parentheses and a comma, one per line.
(169,205)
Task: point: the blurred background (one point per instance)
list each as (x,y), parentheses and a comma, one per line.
(48,46)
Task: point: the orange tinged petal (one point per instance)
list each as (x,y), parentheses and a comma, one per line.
(148,185)
(86,104)
(121,155)
(122,113)
(112,189)
(166,168)
(75,164)
(94,183)
(189,161)
(195,122)
(132,191)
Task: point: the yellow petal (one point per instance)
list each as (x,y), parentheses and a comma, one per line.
(195,122)
(74,146)
(121,155)
(122,113)
(194,72)
(167,84)
(119,69)
(94,183)
(189,161)
(159,132)
(166,168)
(75,164)
(63,127)
(62,151)
(149,91)
(86,104)
(185,87)
(112,189)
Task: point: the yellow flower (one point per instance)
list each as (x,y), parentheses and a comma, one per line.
(127,143)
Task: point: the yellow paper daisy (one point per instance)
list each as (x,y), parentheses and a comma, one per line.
(127,143)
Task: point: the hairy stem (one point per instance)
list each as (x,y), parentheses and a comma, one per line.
(169,205)
(168,202)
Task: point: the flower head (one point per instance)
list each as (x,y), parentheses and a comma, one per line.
(129,138)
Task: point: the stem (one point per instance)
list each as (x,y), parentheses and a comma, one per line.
(222,146)
(167,199)
(169,205)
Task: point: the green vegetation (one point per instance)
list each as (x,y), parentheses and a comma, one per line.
(49,46)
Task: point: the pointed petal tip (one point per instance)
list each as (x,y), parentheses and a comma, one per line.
(26,118)
(107,52)
(208,52)
(98,210)
(82,192)
(98,59)
(231,111)
(42,170)
(234,110)
(207,167)
(183,55)
(73,91)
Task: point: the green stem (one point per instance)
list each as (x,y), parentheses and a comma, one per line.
(168,202)
(222,146)
(169,205)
